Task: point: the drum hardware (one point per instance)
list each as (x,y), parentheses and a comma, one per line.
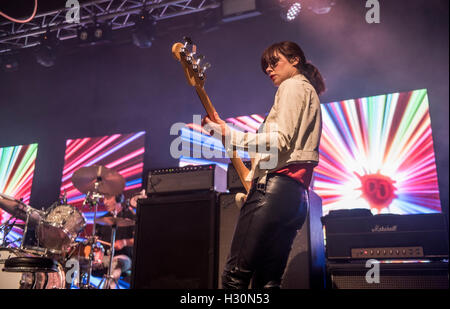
(94,198)
(115,221)
(81,251)
(25,231)
(107,278)
(27,271)
(58,227)
(5,228)
(33,274)
(20,210)
(96,181)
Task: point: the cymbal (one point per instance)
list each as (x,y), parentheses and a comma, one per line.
(110,182)
(18,209)
(119,222)
(8,197)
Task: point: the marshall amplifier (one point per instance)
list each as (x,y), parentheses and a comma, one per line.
(189,178)
(357,234)
(234,184)
(400,275)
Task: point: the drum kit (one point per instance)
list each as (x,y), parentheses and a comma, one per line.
(57,230)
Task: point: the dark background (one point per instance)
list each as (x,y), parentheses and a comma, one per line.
(119,88)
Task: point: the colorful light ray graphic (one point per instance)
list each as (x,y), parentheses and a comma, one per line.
(122,152)
(192,134)
(17,164)
(375,153)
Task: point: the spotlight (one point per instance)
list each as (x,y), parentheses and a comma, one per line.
(290,10)
(45,56)
(46,51)
(9,63)
(144,30)
(321,6)
(83,34)
(94,34)
(101,32)
(293,11)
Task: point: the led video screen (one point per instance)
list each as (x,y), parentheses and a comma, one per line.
(375,153)
(17,164)
(123,153)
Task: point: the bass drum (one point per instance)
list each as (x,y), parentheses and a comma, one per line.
(19,280)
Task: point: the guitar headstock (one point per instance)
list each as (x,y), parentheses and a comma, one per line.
(194,70)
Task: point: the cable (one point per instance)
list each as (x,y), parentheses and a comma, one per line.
(23,21)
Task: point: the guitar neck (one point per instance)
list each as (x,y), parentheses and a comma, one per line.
(209,108)
(241,169)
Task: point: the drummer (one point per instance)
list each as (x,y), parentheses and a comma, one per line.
(124,236)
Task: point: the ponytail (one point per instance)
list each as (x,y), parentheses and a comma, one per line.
(291,50)
(314,77)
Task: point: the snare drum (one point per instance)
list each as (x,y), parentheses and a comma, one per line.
(27,280)
(60,226)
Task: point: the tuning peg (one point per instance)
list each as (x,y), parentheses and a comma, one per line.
(190,58)
(196,62)
(187,41)
(206,66)
(202,71)
(199,58)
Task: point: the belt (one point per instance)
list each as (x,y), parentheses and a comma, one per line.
(261,186)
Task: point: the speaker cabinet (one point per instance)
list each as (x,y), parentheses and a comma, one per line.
(176,242)
(306,263)
(229,214)
(399,275)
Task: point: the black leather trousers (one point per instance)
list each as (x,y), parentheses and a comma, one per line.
(267,225)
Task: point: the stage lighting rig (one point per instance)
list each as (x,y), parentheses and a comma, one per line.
(109,13)
(83,34)
(321,6)
(144,32)
(94,33)
(9,63)
(102,32)
(290,9)
(46,51)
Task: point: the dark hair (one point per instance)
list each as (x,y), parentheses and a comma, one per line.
(291,50)
(120,198)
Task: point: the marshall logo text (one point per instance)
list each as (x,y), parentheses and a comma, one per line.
(384,228)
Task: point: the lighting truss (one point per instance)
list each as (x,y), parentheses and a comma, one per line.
(117,12)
